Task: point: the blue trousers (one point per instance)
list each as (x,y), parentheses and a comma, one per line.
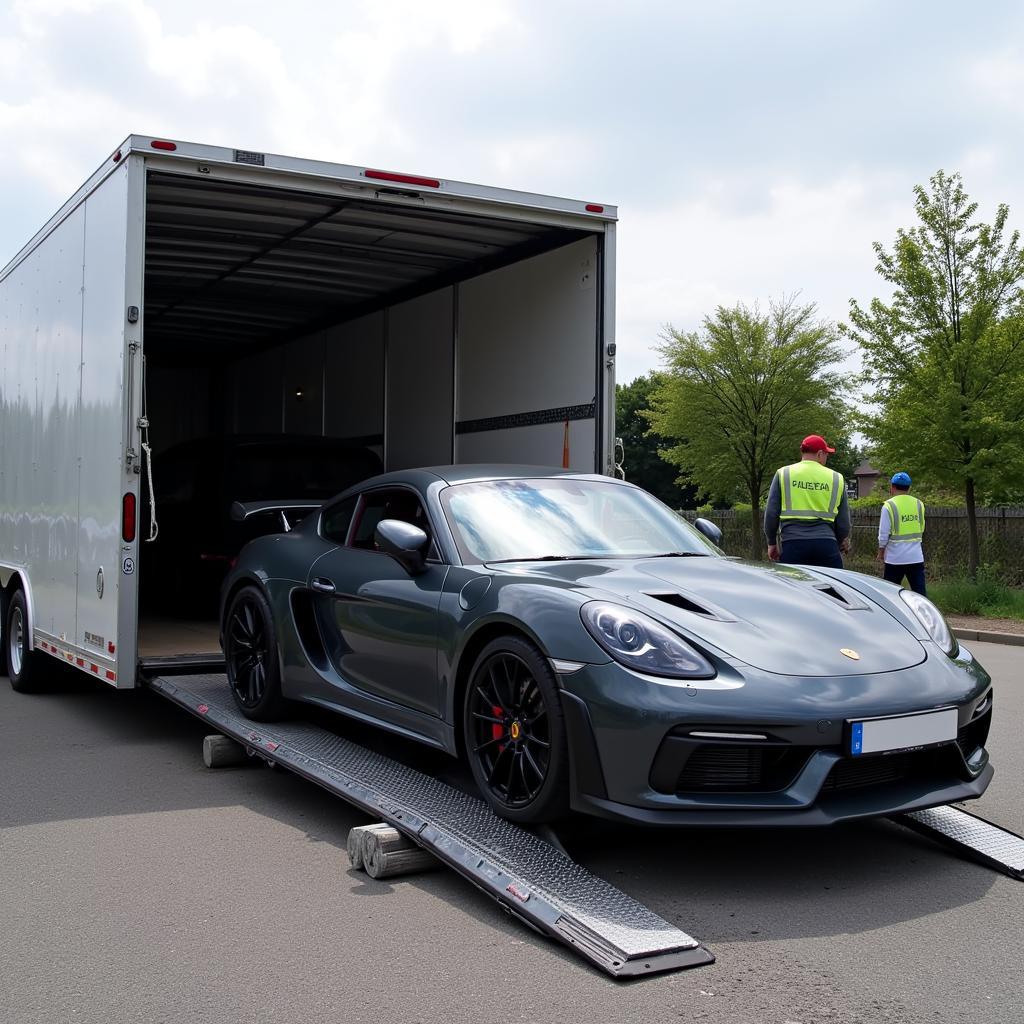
(817,551)
(913,572)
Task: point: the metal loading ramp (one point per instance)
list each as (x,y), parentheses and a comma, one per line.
(528,876)
(971,836)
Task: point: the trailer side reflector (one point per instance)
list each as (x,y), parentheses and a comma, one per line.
(160,144)
(594,208)
(405,179)
(117,156)
(128,518)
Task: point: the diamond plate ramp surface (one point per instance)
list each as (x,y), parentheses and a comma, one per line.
(528,876)
(971,836)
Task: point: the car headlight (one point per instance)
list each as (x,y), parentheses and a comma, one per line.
(640,643)
(932,619)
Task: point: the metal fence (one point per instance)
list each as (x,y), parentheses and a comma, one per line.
(1000,539)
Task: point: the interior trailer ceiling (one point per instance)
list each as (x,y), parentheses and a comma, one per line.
(233,267)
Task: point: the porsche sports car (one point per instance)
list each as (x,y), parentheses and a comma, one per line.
(585,648)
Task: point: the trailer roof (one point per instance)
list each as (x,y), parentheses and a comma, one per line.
(232,265)
(249,249)
(223,160)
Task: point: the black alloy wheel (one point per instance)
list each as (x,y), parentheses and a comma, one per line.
(515,735)
(250,653)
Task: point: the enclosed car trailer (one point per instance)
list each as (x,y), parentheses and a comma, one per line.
(189,291)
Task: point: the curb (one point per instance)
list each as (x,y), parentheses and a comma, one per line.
(990,637)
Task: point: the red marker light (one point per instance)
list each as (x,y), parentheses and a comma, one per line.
(160,144)
(594,208)
(405,179)
(128,518)
(117,156)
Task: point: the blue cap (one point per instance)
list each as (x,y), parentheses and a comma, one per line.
(900,479)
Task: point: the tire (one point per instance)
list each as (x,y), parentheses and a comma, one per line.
(514,733)
(250,654)
(23,667)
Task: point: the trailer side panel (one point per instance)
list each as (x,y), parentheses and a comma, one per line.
(103,433)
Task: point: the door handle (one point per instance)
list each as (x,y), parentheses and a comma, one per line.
(324,586)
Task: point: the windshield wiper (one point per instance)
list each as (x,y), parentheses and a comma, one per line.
(678,554)
(547,558)
(582,558)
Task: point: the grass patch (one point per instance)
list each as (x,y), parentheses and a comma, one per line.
(985,597)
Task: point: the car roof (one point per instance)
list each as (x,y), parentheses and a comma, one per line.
(475,473)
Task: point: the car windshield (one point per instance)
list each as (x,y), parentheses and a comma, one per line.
(564,518)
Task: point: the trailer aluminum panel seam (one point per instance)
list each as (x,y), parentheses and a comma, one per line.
(528,876)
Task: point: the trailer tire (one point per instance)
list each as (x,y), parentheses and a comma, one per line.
(251,658)
(515,736)
(23,667)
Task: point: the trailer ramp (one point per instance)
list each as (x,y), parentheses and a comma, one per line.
(970,836)
(529,877)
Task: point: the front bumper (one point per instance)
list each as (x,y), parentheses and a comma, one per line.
(635,759)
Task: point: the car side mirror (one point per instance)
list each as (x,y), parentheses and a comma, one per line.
(710,530)
(405,543)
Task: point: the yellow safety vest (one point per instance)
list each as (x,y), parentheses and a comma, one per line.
(809,491)
(906,519)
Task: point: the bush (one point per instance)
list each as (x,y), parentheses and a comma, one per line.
(987,597)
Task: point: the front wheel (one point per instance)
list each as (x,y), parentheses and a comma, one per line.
(515,733)
(250,654)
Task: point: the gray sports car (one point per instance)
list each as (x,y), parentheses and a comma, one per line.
(583,647)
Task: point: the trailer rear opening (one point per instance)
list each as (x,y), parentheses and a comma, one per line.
(289,323)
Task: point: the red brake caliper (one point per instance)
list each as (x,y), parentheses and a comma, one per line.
(498,730)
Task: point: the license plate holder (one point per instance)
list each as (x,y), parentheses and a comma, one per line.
(902,732)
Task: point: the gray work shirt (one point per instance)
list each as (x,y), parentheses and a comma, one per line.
(803,529)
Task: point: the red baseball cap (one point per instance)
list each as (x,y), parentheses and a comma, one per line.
(815,443)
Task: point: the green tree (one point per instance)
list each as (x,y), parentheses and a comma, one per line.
(642,461)
(944,358)
(742,392)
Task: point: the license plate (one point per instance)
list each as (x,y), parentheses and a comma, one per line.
(877,735)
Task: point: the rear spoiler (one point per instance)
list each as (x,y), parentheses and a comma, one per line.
(242,510)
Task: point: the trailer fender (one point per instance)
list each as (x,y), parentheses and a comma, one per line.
(16,578)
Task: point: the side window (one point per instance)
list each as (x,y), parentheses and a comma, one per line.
(396,503)
(336,520)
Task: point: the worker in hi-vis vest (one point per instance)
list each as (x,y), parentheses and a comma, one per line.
(901,535)
(807,519)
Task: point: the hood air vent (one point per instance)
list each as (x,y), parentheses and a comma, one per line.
(847,598)
(683,602)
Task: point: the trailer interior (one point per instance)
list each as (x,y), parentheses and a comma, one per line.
(419,334)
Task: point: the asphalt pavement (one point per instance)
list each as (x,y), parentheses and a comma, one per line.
(137,886)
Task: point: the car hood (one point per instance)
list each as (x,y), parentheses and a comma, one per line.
(778,618)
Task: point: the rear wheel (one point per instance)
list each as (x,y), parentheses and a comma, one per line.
(22,662)
(250,654)
(515,733)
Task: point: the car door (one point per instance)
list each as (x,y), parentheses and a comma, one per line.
(380,623)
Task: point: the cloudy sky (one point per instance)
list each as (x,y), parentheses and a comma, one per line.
(754,149)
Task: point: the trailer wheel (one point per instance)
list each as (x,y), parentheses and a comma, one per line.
(250,653)
(22,662)
(515,733)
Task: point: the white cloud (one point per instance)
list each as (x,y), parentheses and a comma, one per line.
(999,78)
(681,261)
(746,164)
